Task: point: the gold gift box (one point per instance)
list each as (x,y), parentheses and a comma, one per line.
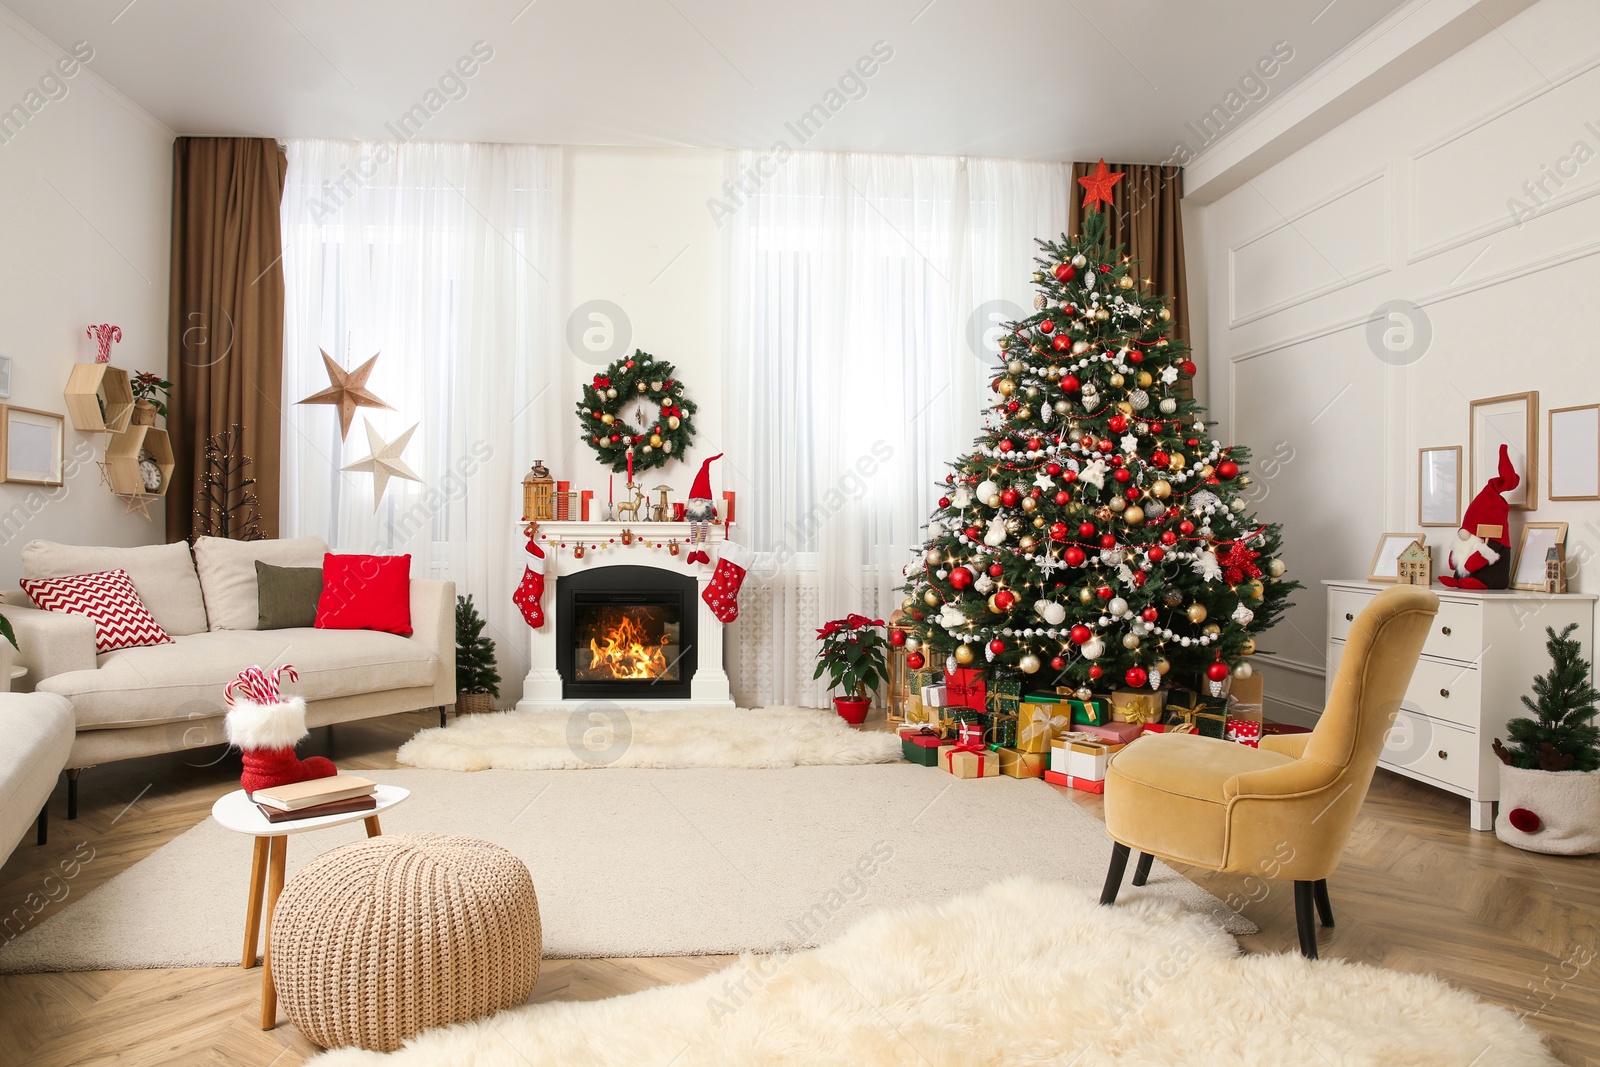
(1018,764)
(966,764)
(1137,706)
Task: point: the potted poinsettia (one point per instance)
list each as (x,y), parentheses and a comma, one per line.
(853,658)
(8,653)
(150,393)
(1550,772)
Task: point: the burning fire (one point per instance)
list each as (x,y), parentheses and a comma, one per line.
(625,652)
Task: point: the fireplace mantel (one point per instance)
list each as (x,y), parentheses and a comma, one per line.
(603,547)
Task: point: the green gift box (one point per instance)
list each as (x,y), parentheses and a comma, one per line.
(1005,695)
(1096,711)
(1186,708)
(1003,732)
(920,680)
(1207,724)
(922,750)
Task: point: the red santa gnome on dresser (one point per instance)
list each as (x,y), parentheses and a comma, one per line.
(1480,557)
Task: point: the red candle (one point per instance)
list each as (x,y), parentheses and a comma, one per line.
(588,495)
(727,509)
(677,511)
(630,464)
(611,489)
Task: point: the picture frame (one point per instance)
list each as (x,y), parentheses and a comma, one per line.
(32,445)
(1439,486)
(1574,466)
(1385,565)
(1527,568)
(5,377)
(1511,420)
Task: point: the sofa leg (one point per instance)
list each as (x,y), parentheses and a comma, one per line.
(72,793)
(44,824)
(442,711)
(1141,873)
(1319,891)
(1305,919)
(1119,866)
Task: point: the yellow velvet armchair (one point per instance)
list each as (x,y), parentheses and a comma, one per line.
(1283,810)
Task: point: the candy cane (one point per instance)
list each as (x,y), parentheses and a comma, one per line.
(103,336)
(256,684)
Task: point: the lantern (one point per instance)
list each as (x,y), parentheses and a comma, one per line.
(538,494)
(899,697)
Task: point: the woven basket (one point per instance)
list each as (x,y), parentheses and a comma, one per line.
(473,703)
(374,942)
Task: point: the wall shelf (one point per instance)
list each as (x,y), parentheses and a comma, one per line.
(122,460)
(99,398)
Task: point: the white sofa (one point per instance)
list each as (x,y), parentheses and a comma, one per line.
(37,728)
(166,698)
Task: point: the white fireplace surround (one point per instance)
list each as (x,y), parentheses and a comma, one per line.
(541,690)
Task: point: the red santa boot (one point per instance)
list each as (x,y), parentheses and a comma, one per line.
(1480,556)
(265,727)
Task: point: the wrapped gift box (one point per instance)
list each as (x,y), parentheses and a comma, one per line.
(966,763)
(1083,756)
(1004,696)
(1244,731)
(935,696)
(971,734)
(1022,764)
(920,680)
(1037,725)
(921,749)
(1087,785)
(967,688)
(1096,711)
(1138,706)
(1116,732)
(1003,731)
(1209,724)
(1187,708)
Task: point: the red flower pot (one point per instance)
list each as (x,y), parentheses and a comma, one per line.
(852,710)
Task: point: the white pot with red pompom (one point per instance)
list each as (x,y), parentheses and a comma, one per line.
(1556,812)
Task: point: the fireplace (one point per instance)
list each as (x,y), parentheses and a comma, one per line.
(626,632)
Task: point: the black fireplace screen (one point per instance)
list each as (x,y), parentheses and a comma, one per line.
(616,643)
(626,631)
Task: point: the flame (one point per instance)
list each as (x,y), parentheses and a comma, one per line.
(625,652)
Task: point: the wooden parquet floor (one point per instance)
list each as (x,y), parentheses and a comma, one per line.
(1417,891)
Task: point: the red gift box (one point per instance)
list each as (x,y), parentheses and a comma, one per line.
(967,688)
(1085,785)
(1115,732)
(1244,731)
(970,735)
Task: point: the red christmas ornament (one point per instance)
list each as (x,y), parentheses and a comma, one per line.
(1004,599)
(1006,446)
(915,661)
(1070,384)
(995,570)
(944,502)
(1186,527)
(1105,444)
(1217,671)
(1085,530)
(1159,458)
(1133,492)
(1080,634)
(1052,469)
(1135,357)
(1188,367)
(1035,444)
(1192,442)
(1149,614)
(1104,592)
(1095,671)
(1156,554)
(997,646)
(960,578)
(1060,342)
(1062,497)
(1069,476)
(1108,540)
(1139,578)
(897,638)
(1058,531)
(1136,677)
(1064,272)
(1118,423)
(1227,470)
(1168,537)
(1122,474)
(1057,663)
(1012,407)
(1047,326)
(1073,556)
(1009,497)
(973,533)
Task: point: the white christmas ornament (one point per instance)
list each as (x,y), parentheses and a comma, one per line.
(961,497)
(1094,473)
(1051,612)
(950,617)
(1093,648)
(1168,405)
(1118,607)
(1243,615)
(1206,566)
(987,489)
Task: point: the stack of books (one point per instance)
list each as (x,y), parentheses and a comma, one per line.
(337,795)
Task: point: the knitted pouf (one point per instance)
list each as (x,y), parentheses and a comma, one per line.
(374,942)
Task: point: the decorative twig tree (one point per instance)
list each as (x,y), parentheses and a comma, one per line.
(225,505)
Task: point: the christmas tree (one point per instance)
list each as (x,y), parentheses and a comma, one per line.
(1096,537)
(475,663)
(1562,736)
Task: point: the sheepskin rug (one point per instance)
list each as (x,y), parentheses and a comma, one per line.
(607,735)
(1022,972)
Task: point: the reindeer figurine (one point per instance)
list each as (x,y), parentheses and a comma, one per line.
(631,507)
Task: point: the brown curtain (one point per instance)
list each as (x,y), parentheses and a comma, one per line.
(225,325)
(1147,221)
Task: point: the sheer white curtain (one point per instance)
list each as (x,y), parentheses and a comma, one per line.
(437,258)
(862,296)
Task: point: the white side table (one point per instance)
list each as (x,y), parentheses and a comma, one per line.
(237,812)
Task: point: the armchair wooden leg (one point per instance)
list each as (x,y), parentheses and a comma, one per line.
(1303,907)
(1324,905)
(1141,873)
(44,824)
(1119,866)
(72,794)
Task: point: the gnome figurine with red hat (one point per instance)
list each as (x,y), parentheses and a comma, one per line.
(700,510)
(1480,558)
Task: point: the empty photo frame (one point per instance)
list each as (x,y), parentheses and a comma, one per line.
(1513,421)
(1574,453)
(31,445)
(1385,561)
(1439,486)
(1537,540)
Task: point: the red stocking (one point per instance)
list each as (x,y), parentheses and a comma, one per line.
(722,595)
(532,587)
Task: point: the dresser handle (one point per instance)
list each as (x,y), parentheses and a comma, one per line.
(1445,693)
(1443,754)
(1445,630)
(1349,617)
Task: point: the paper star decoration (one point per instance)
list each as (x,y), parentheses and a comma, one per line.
(347,390)
(1097,186)
(385,461)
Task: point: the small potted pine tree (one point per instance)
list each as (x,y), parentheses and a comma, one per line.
(1550,772)
(477,680)
(852,655)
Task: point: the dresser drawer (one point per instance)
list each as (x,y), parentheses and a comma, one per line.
(1437,750)
(1443,690)
(1456,632)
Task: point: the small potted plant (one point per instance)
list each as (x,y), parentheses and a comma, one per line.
(150,394)
(1550,772)
(477,680)
(8,654)
(852,655)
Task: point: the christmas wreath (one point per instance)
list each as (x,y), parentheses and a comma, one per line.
(637,402)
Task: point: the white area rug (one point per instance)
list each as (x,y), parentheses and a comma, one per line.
(641,863)
(1024,972)
(602,734)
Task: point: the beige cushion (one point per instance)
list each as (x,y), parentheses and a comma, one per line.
(184,680)
(163,574)
(38,733)
(227,572)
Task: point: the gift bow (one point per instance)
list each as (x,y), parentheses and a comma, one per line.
(258,685)
(1036,721)
(1187,714)
(1139,710)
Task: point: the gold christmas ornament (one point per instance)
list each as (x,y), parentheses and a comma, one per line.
(1013,526)
(643,387)
(1207,471)
(1102,513)
(1125,407)
(1006,387)
(1038,522)
(1101,314)
(1025,543)
(1172,598)
(1211,628)
(931,599)
(1118,504)
(964,654)
(1197,613)
(1164,315)
(674,422)
(1125,282)
(1118,381)
(1134,516)
(1276,567)
(1025,412)
(933,556)
(1248,648)
(1080,261)
(1086,595)
(994,500)
(1130,641)
(1029,504)
(906,603)
(655,440)
(1251,590)
(1177,461)
(1144,379)
(608,419)
(1161,489)
(1014,366)
(1162,665)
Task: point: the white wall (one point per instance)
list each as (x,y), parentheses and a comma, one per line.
(1408,200)
(85,199)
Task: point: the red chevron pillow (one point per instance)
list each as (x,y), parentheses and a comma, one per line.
(108,597)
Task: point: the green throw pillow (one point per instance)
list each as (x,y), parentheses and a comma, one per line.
(289,596)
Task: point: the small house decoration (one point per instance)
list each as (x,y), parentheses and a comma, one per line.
(1555,569)
(538,494)
(1414,565)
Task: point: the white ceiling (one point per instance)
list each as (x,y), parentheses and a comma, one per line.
(1058,79)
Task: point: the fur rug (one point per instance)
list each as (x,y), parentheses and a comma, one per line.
(1023,972)
(604,735)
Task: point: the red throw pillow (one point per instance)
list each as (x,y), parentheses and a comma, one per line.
(365,593)
(108,597)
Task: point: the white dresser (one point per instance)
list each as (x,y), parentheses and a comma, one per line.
(1481,656)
